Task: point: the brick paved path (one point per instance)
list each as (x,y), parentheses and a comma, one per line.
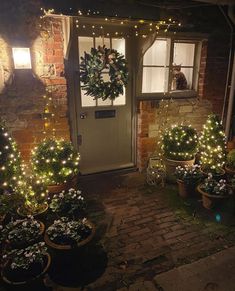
(140,233)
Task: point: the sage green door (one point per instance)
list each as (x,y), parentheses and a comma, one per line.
(105,128)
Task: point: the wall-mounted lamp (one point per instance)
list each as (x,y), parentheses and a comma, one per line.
(21,57)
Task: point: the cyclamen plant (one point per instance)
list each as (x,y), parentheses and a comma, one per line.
(189,174)
(64,231)
(214,187)
(22,231)
(25,258)
(68,202)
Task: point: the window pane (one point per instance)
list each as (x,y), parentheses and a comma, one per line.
(157,54)
(121,100)
(85,44)
(188,72)
(119,45)
(184,54)
(100,41)
(154,80)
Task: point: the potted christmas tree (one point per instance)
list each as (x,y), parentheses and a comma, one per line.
(56,162)
(212,147)
(10,166)
(179,147)
(34,194)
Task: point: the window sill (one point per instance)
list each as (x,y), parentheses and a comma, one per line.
(177,94)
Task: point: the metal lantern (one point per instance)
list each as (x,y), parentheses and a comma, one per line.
(156,172)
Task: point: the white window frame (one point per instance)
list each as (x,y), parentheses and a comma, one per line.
(189,93)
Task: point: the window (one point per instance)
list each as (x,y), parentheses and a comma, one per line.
(85,44)
(170,67)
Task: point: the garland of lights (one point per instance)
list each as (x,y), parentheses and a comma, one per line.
(55,161)
(10,168)
(91,73)
(212,144)
(180,143)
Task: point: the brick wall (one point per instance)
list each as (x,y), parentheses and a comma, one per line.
(21,98)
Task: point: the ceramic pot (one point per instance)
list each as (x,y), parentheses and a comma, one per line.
(21,245)
(21,211)
(22,280)
(210,201)
(55,189)
(171,166)
(186,189)
(60,247)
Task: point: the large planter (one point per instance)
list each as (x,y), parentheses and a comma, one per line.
(187,189)
(171,167)
(210,201)
(55,189)
(22,245)
(60,247)
(23,279)
(23,212)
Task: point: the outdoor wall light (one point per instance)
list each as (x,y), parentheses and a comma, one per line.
(21,57)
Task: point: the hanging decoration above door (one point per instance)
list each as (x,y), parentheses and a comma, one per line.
(103,73)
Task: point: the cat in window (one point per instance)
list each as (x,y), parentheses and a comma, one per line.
(179,81)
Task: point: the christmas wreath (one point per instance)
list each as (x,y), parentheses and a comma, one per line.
(99,62)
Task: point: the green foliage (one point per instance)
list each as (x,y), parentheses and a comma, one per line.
(180,143)
(212,144)
(9,202)
(24,259)
(91,73)
(34,194)
(189,174)
(66,232)
(55,161)
(231,159)
(68,202)
(10,164)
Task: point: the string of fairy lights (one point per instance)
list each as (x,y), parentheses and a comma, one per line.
(136,27)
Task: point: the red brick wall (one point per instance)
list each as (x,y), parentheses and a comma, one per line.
(22,103)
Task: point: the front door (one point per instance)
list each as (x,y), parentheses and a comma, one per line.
(105,135)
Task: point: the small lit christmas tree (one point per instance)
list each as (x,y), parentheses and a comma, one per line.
(10,165)
(212,145)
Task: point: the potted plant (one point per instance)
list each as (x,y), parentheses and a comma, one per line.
(9,202)
(10,164)
(214,192)
(188,177)
(65,234)
(230,167)
(22,267)
(179,147)
(22,233)
(56,162)
(68,203)
(213,147)
(34,193)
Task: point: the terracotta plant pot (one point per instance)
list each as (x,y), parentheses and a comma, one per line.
(210,201)
(23,212)
(18,280)
(22,245)
(171,166)
(61,247)
(186,189)
(55,189)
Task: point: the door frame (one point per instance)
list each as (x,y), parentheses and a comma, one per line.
(73,85)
